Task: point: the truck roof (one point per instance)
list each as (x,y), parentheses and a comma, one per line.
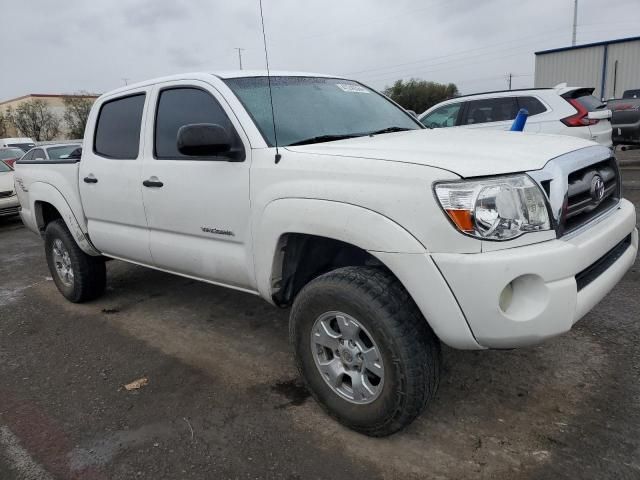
(223,74)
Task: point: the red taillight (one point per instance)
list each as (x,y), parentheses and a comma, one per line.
(580,119)
(10,162)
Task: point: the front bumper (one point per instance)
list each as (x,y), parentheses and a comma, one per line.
(521,296)
(9,206)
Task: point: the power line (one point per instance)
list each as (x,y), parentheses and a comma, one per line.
(367,23)
(389,72)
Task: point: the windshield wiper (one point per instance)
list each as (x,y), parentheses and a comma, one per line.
(389,130)
(325,138)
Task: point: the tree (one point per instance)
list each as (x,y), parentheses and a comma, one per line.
(4,124)
(419,95)
(35,119)
(76,113)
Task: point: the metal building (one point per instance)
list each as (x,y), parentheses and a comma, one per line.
(611,67)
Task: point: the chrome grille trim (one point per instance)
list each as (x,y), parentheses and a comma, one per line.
(555,180)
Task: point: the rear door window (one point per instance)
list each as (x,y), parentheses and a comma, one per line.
(38,154)
(491,110)
(117,133)
(445,116)
(532,105)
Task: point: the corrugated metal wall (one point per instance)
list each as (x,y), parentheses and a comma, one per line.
(628,72)
(584,67)
(576,67)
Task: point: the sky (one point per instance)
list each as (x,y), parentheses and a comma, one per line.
(96,46)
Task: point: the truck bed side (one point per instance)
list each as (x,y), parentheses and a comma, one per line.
(50,189)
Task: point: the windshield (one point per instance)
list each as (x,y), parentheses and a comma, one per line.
(9,153)
(58,153)
(309,109)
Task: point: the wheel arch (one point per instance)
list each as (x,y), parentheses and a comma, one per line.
(369,239)
(321,235)
(49,204)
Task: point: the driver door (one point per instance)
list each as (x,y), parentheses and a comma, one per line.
(197,207)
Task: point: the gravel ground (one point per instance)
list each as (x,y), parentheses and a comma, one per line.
(223,399)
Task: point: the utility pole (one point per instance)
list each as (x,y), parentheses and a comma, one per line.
(239,55)
(575,22)
(509,77)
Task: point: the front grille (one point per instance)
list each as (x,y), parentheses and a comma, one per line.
(584,200)
(9,211)
(7,193)
(593,271)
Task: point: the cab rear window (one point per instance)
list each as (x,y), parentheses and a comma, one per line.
(118,128)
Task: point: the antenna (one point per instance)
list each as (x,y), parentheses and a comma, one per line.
(266,57)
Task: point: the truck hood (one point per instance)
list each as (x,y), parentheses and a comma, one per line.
(466,152)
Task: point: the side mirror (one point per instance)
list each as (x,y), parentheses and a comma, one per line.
(412,113)
(203,139)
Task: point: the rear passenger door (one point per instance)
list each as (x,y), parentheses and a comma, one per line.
(197,207)
(493,113)
(110,178)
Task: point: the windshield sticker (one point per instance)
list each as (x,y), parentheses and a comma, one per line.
(351,88)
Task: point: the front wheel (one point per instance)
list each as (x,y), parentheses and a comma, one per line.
(78,276)
(365,351)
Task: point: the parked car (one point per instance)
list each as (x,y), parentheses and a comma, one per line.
(23,143)
(384,238)
(631,93)
(560,110)
(9,155)
(58,151)
(625,119)
(9,204)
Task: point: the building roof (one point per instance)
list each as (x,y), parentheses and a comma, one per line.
(587,45)
(48,95)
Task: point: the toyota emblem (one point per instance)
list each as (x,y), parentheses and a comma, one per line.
(597,188)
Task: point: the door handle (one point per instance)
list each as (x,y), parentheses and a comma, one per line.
(90,179)
(153,183)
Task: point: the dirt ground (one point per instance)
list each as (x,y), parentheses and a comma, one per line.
(223,398)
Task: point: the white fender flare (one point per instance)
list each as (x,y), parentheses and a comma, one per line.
(386,240)
(47,193)
(348,223)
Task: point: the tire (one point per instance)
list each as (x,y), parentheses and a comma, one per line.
(88,275)
(373,303)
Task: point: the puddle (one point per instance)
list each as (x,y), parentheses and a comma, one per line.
(294,390)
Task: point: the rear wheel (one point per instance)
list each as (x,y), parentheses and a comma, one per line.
(78,276)
(365,351)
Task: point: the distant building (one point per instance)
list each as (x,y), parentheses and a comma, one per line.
(611,67)
(54,101)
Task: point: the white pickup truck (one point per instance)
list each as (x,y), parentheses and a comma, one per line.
(384,237)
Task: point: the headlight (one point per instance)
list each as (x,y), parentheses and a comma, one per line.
(499,208)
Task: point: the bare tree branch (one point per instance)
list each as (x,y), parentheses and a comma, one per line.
(76,113)
(35,119)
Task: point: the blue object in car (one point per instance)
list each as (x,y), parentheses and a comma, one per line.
(520,120)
